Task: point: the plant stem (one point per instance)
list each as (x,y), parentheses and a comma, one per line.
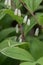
(29,10)
(22,33)
(13,5)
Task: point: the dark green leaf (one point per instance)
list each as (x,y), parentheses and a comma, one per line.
(4,33)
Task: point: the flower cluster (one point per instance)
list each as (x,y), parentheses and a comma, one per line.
(17,12)
(8,3)
(26,20)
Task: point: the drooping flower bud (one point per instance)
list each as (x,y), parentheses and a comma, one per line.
(37,32)
(17,29)
(28,22)
(16,11)
(25,19)
(5,2)
(19,12)
(20,38)
(8,3)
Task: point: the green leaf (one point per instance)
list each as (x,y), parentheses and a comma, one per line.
(17,53)
(27,63)
(40,18)
(17,3)
(38,62)
(4,33)
(2,5)
(15,17)
(24,46)
(11,42)
(36,48)
(6,21)
(2,58)
(2,14)
(11,13)
(32,4)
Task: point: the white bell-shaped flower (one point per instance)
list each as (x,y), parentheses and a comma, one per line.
(17,29)
(16,11)
(20,38)
(25,19)
(8,3)
(5,2)
(37,32)
(19,12)
(28,22)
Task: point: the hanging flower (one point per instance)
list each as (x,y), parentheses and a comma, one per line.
(25,19)
(28,22)
(17,12)
(20,38)
(17,29)
(8,3)
(5,2)
(37,32)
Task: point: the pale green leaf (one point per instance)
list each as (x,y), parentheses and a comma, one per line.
(27,63)
(11,42)
(11,13)
(17,53)
(38,62)
(40,18)
(32,4)
(2,14)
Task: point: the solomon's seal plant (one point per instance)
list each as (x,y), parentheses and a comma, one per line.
(21,32)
